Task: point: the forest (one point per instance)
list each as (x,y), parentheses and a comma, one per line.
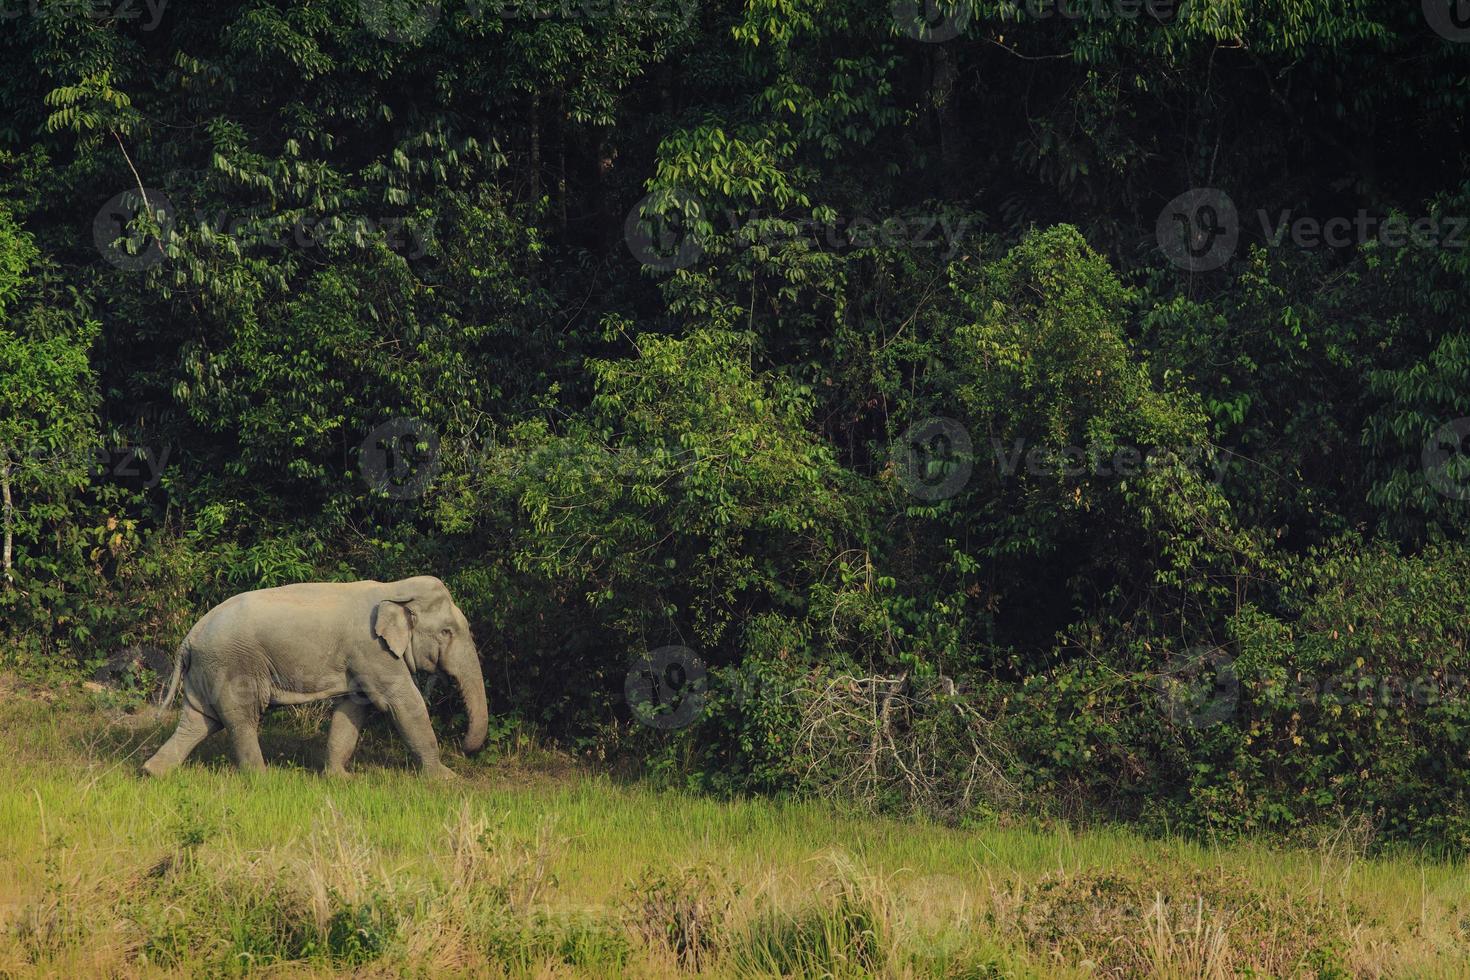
(1052,409)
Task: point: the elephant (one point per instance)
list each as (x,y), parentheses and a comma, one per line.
(357,643)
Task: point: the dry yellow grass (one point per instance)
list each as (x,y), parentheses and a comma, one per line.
(530,867)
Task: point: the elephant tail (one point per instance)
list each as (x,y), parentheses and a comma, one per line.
(181,662)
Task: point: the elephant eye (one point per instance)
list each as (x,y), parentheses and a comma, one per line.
(445,631)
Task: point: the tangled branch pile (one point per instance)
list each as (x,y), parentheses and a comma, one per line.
(900,742)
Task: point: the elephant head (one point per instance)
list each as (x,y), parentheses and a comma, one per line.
(420,624)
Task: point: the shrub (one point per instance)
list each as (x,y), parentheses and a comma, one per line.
(847,932)
(684,912)
(1143,922)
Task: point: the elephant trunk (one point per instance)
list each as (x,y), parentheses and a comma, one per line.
(466,674)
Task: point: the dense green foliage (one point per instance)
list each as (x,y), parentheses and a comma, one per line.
(667,290)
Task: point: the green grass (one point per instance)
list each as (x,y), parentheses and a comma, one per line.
(531,866)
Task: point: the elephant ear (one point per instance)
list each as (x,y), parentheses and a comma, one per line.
(393,623)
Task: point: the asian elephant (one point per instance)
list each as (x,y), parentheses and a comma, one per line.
(355,642)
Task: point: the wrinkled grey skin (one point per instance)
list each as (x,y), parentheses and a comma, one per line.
(357,643)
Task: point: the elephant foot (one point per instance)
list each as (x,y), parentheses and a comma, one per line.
(335,772)
(441,772)
(154,769)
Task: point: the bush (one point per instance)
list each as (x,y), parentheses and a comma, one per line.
(1356,698)
(1351,698)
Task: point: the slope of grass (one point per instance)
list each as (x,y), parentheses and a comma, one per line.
(529,866)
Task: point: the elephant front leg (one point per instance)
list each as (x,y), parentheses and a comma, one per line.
(348,716)
(411,717)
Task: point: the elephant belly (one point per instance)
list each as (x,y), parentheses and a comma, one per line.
(282,696)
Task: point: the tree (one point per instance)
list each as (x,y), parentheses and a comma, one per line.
(47,396)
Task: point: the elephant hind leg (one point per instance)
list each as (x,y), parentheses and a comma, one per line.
(194,727)
(245,737)
(348,717)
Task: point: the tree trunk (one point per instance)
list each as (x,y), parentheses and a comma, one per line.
(942,98)
(9,511)
(561,160)
(535,149)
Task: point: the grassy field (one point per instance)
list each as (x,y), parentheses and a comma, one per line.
(529,866)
